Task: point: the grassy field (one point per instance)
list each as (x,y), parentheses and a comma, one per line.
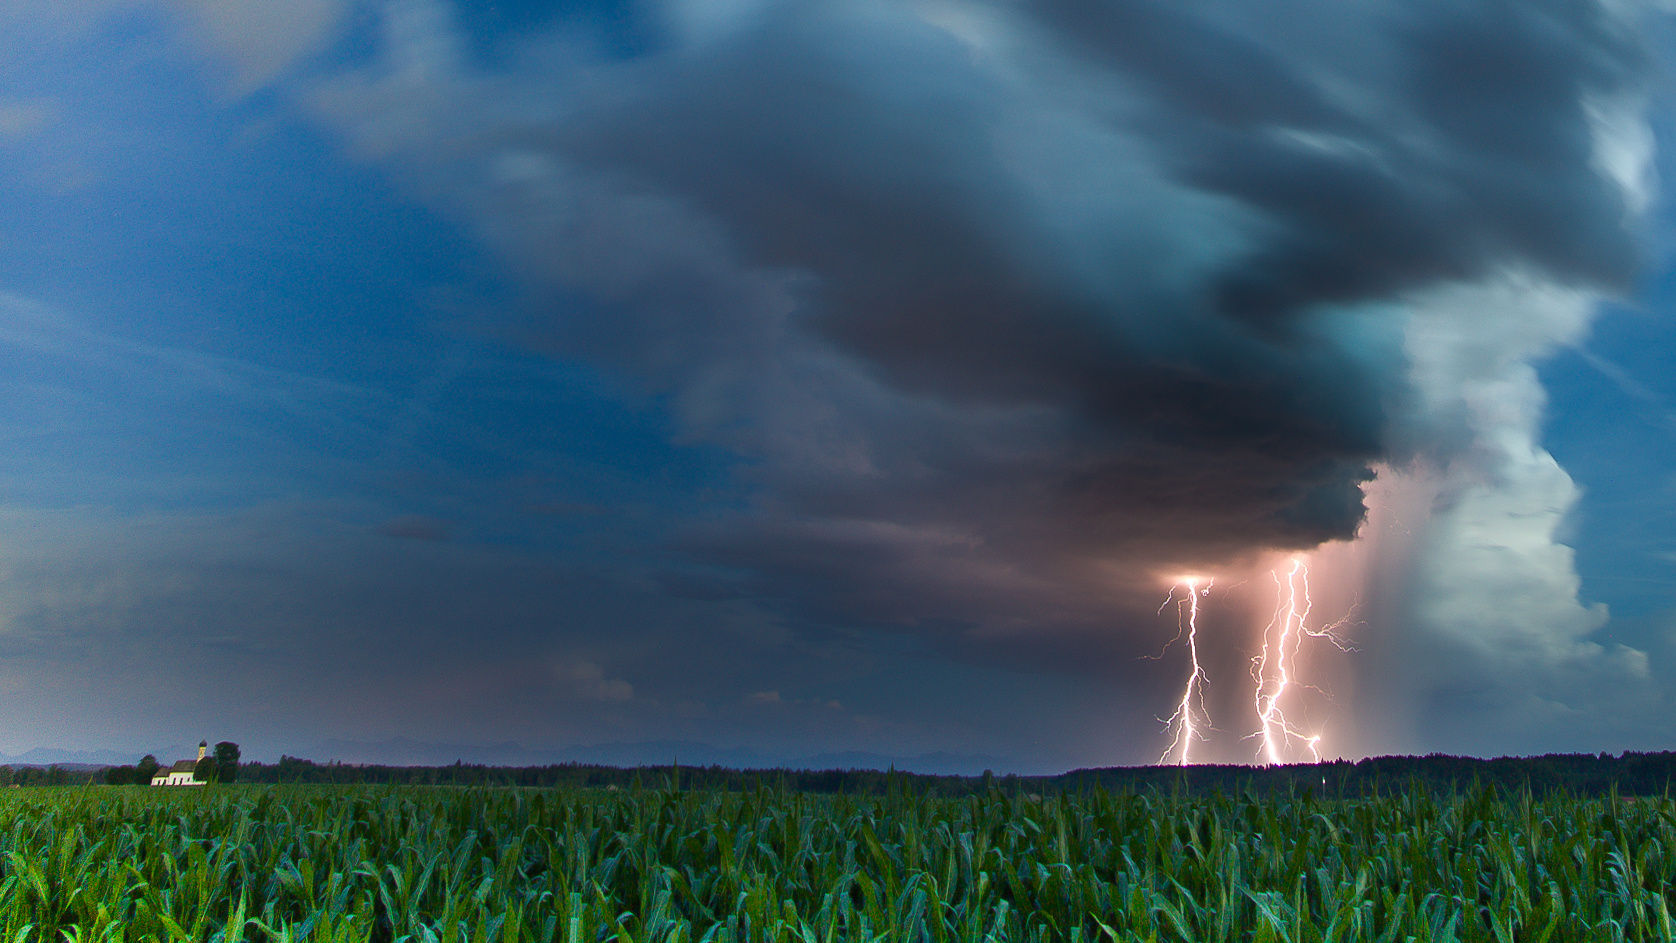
(380,863)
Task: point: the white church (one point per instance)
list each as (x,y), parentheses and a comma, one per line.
(180,774)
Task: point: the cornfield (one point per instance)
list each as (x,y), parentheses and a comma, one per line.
(672,866)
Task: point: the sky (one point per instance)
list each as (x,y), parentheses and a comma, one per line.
(925,381)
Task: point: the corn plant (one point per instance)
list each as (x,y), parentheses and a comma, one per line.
(581,866)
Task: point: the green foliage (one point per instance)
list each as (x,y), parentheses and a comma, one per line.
(226,761)
(146,769)
(671,866)
(204,770)
(1641,774)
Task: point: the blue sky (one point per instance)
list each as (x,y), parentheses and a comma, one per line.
(826,377)
(1618,441)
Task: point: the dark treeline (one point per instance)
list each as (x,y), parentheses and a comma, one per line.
(290,769)
(1585,774)
(49,775)
(1631,774)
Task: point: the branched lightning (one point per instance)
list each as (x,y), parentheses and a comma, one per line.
(1273,668)
(1182,721)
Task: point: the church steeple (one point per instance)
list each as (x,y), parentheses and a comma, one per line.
(203,745)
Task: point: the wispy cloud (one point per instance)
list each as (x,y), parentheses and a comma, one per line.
(1657,406)
(28,326)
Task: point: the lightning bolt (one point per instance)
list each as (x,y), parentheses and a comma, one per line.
(1273,669)
(1182,721)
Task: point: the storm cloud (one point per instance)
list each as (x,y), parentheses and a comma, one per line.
(979,322)
(1004,302)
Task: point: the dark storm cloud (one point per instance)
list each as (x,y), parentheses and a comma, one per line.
(1009,306)
(1476,153)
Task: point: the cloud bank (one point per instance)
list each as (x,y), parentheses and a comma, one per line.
(1007,311)
(1015,308)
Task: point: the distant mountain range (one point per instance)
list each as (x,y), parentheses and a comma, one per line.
(404,752)
(73,759)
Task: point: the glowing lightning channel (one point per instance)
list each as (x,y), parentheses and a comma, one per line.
(1182,720)
(1273,668)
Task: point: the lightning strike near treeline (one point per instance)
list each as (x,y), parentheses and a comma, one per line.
(1274,668)
(1182,721)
